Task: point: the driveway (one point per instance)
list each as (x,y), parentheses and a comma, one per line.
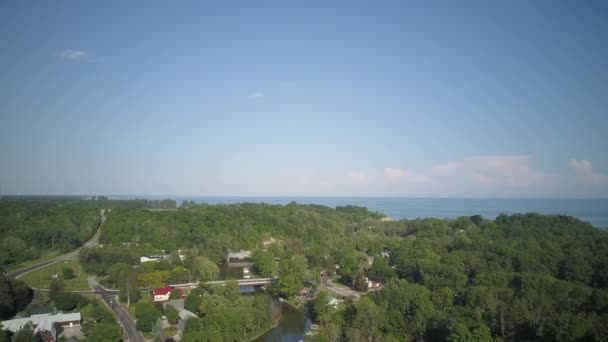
(341,291)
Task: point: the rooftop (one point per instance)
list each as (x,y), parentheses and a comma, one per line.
(45,322)
(162,291)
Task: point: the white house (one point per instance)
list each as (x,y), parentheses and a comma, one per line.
(155,258)
(239,255)
(163,294)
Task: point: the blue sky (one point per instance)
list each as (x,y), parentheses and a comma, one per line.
(327,98)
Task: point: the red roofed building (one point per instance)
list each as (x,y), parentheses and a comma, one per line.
(162,294)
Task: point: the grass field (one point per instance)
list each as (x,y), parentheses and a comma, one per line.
(47,255)
(41,278)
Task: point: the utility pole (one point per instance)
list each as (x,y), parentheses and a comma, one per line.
(128,294)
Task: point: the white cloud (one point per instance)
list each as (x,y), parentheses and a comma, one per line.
(584,170)
(499,175)
(396,175)
(473,176)
(497,171)
(358,177)
(73,55)
(256,95)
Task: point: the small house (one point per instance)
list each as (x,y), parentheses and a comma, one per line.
(242,255)
(332,301)
(155,258)
(44,325)
(163,294)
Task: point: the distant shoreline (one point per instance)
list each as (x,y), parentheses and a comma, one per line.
(592,210)
(124,197)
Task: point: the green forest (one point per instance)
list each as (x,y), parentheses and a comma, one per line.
(509,278)
(29,228)
(33,225)
(215,229)
(518,277)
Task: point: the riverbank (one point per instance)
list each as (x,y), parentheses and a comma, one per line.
(292,325)
(282,301)
(266,331)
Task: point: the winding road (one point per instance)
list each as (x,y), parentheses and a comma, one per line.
(92,242)
(108,296)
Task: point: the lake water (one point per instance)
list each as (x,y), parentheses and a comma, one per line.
(594,211)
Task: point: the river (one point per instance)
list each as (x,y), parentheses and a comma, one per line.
(292,327)
(293,323)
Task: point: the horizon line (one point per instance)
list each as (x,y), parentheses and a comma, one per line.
(307,196)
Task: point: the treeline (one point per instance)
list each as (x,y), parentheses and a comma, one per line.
(99,202)
(519,277)
(217,228)
(28,228)
(107,203)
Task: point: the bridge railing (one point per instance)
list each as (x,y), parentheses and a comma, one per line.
(241,282)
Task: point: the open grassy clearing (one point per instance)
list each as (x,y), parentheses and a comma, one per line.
(41,278)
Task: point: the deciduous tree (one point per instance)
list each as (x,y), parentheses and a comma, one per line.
(204,269)
(172,314)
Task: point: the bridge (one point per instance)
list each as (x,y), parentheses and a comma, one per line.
(241,282)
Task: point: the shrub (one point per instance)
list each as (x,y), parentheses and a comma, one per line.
(68,273)
(172,314)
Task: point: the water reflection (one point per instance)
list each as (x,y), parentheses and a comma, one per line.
(292,326)
(228,272)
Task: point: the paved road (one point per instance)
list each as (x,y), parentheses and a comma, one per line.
(347,293)
(93,241)
(110,298)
